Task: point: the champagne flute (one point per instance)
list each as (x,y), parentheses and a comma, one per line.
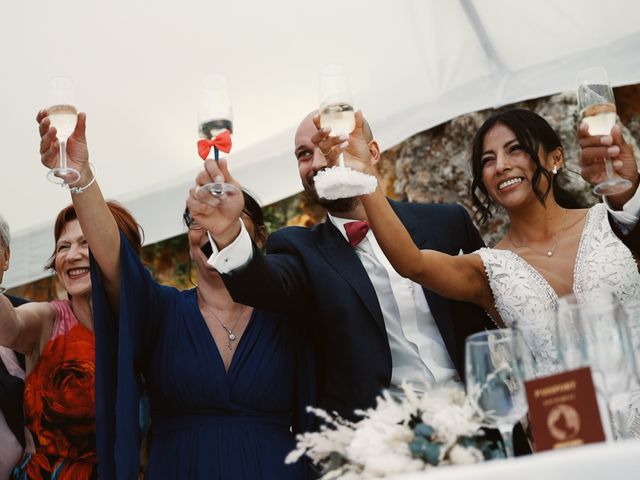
(64,116)
(598,110)
(215,121)
(631,318)
(336,103)
(494,381)
(591,332)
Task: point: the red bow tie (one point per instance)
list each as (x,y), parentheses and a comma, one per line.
(356,231)
(222,142)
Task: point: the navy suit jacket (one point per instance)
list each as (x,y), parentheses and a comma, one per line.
(315,275)
(631,239)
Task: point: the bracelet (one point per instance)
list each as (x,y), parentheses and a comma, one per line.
(77,190)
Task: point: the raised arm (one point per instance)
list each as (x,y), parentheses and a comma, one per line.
(459,277)
(22,328)
(594,148)
(98,225)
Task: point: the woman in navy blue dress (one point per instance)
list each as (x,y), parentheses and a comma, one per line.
(226,383)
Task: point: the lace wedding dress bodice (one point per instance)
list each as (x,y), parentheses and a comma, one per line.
(523,295)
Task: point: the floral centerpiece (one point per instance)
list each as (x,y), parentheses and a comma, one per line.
(398,436)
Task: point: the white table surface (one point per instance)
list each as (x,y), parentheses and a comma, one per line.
(608,461)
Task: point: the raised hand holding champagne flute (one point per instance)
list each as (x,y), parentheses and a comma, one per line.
(598,110)
(336,104)
(63,116)
(215,126)
(337,114)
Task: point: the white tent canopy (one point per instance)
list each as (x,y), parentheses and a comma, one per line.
(412,64)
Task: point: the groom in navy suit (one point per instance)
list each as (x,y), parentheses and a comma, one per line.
(372,329)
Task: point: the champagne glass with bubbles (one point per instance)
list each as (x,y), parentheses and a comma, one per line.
(336,103)
(598,110)
(215,121)
(63,116)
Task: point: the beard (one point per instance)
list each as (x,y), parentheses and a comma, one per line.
(340,205)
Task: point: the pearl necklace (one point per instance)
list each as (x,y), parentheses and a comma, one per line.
(551,251)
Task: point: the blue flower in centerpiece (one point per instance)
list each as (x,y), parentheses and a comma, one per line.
(427,451)
(423,430)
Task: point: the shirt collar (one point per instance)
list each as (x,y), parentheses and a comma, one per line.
(339,224)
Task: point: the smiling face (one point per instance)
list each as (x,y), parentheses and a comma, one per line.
(508,171)
(4,259)
(513,155)
(72,260)
(310,162)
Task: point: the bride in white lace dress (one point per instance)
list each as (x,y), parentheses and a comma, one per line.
(549,251)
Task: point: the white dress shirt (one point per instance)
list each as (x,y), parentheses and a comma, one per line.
(629,215)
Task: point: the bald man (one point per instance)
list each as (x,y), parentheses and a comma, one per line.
(372,328)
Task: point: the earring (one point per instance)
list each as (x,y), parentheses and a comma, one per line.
(555,170)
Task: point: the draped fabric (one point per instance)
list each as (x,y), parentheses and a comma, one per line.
(59,404)
(205,422)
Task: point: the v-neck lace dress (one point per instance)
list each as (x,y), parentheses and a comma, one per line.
(603,262)
(523,296)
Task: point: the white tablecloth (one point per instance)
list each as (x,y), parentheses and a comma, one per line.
(607,461)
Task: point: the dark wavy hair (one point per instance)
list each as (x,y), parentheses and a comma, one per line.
(126,223)
(532,132)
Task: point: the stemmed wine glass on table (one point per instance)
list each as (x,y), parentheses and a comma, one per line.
(592,332)
(494,381)
(598,110)
(215,126)
(63,116)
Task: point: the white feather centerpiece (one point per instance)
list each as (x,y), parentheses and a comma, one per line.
(343,182)
(414,433)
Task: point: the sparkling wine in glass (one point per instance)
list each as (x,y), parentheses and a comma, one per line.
(598,110)
(494,381)
(215,120)
(336,103)
(62,115)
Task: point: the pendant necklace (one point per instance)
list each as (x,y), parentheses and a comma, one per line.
(231,337)
(551,251)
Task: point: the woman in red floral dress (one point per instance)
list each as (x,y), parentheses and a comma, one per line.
(57,339)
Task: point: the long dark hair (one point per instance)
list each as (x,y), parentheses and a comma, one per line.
(532,132)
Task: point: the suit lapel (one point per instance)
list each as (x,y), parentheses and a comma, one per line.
(345,261)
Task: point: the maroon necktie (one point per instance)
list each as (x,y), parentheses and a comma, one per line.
(356,231)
